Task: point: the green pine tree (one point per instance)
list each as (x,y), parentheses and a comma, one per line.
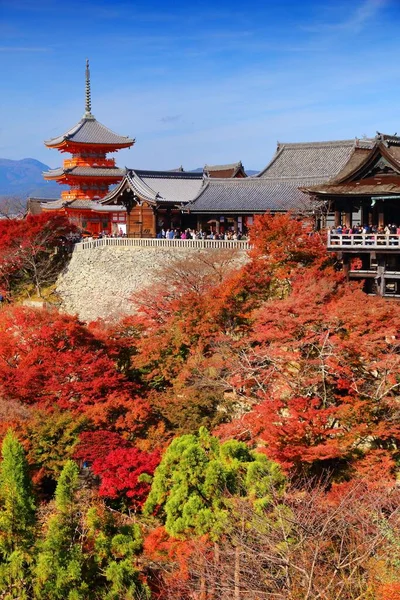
(198,477)
(60,570)
(114,558)
(17,520)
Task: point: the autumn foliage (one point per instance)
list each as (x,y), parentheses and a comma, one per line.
(290,373)
(32,252)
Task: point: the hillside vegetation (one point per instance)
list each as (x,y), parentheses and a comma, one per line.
(237,438)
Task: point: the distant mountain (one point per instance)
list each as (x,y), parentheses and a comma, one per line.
(23,178)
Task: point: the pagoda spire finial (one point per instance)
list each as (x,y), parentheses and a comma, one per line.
(88,102)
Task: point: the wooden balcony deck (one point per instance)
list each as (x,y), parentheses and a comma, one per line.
(363,242)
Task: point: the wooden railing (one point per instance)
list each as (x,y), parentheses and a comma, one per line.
(367,241)
(162,243)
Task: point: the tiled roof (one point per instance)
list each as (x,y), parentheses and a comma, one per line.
(85,172)
(357,190)
(81,204)
(225,171)
(54,205)
(393,140)
(356,158)
(250,195)
(321,160)
(34,205)
(223,167)
(357,175)
(159,186)
(90,131)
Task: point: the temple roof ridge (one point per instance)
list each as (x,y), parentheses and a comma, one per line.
(167,174)
(328,143)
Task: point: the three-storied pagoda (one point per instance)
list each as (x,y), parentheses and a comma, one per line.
(89,173)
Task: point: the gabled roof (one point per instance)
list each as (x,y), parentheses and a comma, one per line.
(248,196)
(90,131)
(158,186)
(374,171)
(311,160)
(225,171)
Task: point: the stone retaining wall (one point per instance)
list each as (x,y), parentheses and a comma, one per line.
(100,282)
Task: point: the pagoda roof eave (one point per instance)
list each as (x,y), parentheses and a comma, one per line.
(81,205)
(85,173)
(65,144)
(90,132)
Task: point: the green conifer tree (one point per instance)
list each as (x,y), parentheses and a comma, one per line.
(114,564)
(17,520)
(60,562)
(198,476)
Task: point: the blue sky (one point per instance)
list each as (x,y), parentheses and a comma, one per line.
(195,83)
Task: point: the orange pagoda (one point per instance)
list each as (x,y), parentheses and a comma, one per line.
(89,172)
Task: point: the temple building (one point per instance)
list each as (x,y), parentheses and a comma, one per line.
(179,199)
(364,198)
(89,173)
(154,200)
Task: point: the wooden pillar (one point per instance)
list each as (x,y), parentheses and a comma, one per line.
(154,225)
(168,218)
(338,218)
(381,272)
(346,265)
(381,215)
(141,220)
(235,224)
(348,218)
(365,215)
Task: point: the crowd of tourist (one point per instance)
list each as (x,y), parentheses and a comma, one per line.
(170,234)
(193,234)
(390,229)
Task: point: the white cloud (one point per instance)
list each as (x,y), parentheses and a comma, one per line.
(355,20)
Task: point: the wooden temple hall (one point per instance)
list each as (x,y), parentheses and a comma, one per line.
(364,200)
